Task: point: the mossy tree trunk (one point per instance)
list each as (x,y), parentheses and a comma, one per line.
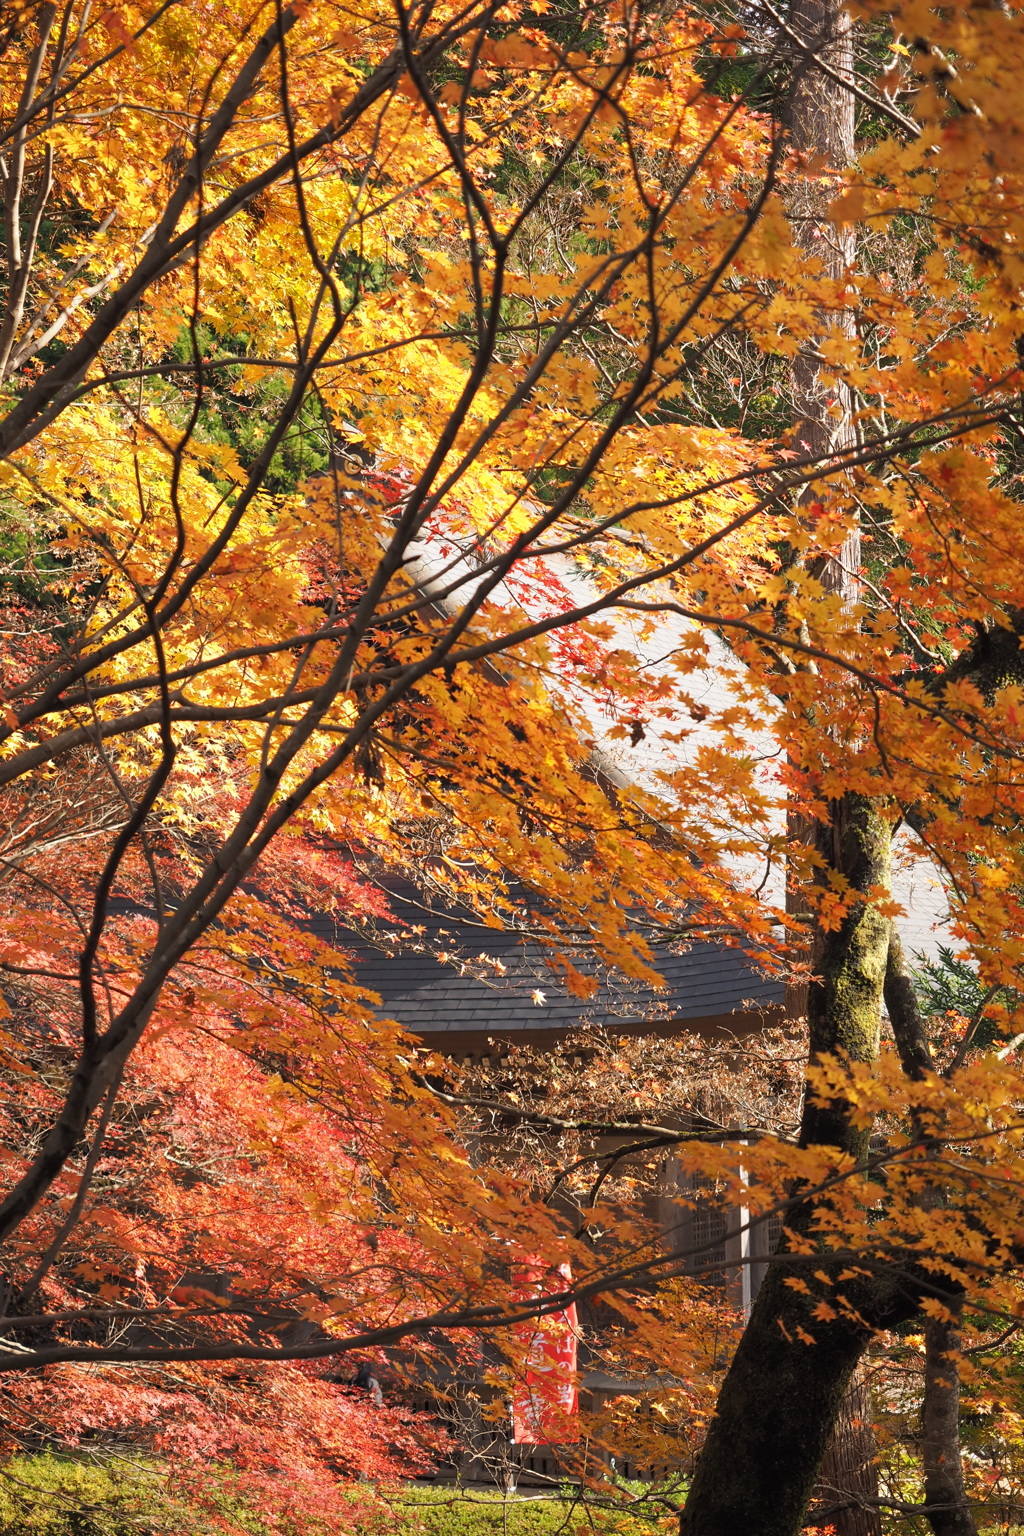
(788,1380)
(784,1395)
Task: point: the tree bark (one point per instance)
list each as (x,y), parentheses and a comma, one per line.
(774,1417)
(848,1480)
(908,1025)
(850,1016)
(785,1388)
(789,1382)
(821,124)
(945,1501)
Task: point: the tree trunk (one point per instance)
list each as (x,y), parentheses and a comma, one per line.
(848,1481)
(774,1417)
(821,123)
(788,1383)
(785,1388)
(945,1500)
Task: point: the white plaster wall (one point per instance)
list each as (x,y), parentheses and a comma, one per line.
(917,884)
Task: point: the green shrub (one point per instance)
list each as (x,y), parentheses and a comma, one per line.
(445,1512)
(50,1495)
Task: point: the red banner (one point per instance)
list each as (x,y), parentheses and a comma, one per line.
(544,1401)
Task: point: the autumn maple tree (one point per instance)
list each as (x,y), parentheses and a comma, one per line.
(363,499)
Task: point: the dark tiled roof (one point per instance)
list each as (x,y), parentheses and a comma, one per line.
(457,976)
